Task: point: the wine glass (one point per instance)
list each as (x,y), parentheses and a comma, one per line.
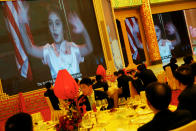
(98,105)
(104,103)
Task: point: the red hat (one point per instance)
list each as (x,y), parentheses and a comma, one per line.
(101,71)
(65,86)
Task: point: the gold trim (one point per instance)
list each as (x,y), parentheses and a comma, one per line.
(1,88)
(189,34)
(102,28)
(148,24)
(125,3)
(165,1)
(172,7)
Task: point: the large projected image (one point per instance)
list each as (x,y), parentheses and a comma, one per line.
(135,40)
(172,35)
(46,36)
(191,23)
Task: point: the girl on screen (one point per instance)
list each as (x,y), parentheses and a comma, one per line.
(61,54)
(165,45)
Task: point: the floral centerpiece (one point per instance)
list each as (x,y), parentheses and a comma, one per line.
(66,89)
(71,120)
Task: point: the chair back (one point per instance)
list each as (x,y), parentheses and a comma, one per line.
(55,114)
(132,90)
(170,78)
(49,104)
(188,127)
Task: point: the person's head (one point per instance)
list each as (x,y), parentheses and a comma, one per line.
(173,60)
(121,72)
(19,122)
(193,67)
(184,75)
(158,96)
(86,86)
(77,81)
(131,72)
(158,32)
(98,78)
(115,74)
(188,59)
(141,67)
(56,26)
(48,85)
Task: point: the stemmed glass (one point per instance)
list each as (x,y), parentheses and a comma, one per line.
(86,121)
(104,103)
(98,105)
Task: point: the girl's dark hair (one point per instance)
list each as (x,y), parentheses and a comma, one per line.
(60,13)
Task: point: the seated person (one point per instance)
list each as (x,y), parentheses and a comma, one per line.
(188,59)
(136,82)
(158,98)
(172,64)
(19,122)
(132,73)
(123,87)
(77,80)
(50,93)
(100,84)
(123,84)
(100,89)
(193,67)
(185,81)
(86,101)
(146,75)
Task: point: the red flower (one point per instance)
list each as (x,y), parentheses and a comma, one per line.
(70,127)
(67,122)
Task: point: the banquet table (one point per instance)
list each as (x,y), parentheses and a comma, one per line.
(128,117)
(119,119)
(124,118)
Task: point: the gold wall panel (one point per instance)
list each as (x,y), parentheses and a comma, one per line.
(125,3)
(106,40)
(104,36)
(165,1)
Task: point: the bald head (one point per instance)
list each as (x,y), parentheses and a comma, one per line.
(159,95)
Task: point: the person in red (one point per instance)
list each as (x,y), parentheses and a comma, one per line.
(86,101)
(101,71)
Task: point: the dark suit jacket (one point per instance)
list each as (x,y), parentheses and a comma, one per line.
(172,66)
(167,120)
(103,85)
(147,77)
(54,100)
(123,82)
(187,100)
